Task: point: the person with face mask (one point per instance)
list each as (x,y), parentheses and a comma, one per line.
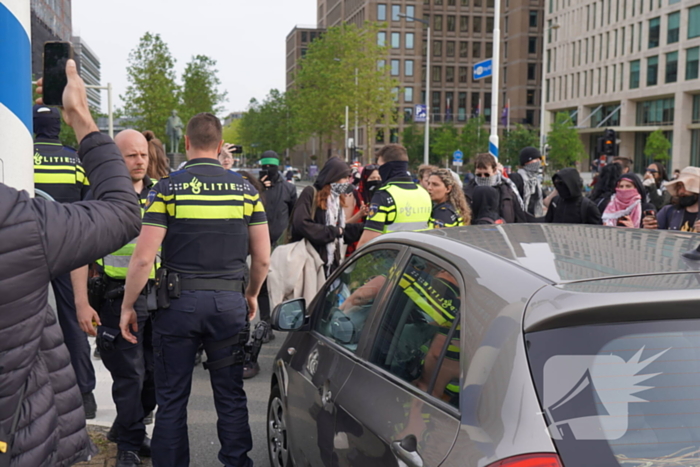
(527,179)
(570,206)
(486,173)
(682,213)
(370,180)
(627,204)
(319,218)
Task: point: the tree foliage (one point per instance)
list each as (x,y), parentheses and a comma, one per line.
(475,137)
(657,146)
(446,142)
(413,140)
(152,92)
(566,148)
(200,88)
(268,125)
(515,140)
(232,132)
(341,69)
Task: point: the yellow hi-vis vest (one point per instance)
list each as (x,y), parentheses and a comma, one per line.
(116,265)
(413,209)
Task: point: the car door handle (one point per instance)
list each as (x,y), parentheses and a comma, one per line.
(407,451)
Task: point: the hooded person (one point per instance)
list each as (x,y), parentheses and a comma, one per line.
(682,213)
(570,206)
(527,180)
(485,206)
(627,203)
(605,185)
(318,216)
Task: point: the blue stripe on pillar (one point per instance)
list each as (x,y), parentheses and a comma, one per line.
(16,69)
(493,149)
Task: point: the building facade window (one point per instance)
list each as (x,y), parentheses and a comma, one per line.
(530,99)
(671,67)
(652,70)
(489,50)
(463,74)
(533,18)
(395,40)
(674,27)
(531,71)
(408,94)
(437,23)
(695,148)
(532,45)
(489,24)
(476,49)
(436,106)
(463,49)
(654,32)
(692,60)
(694,22)
(436,73)
(611,112)
(462,106)
(450,49)
(696,109)
(381,12)
(408,114)
(634,74)
(381,39)
(395,12)
(451,23)
(450,74)
(656,112)
(408,68)
(437,48)
(476,25)
(409,40)
(395,67)
(529,117)
(410,12)
(464,24)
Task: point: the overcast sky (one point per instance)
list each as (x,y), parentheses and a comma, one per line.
(245,37)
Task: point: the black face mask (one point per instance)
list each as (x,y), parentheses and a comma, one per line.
(272,171)
(687,201)
(372,185)
(563,190)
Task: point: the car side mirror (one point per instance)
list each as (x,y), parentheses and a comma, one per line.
(289,315)
(342,328)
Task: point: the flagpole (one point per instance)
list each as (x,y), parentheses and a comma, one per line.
(508,115)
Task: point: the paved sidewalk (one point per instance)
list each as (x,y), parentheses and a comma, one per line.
(107,457)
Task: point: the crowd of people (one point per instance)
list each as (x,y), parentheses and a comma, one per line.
(159,265)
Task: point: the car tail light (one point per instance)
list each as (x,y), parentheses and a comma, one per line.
(530,460)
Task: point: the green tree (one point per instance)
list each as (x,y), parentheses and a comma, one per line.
(513,141)
(269,125)
(566,148)
(446,142)
(152,92)
(657,146)
(340,69)
(475,137)
(414,142)
(231,132)
(200,88)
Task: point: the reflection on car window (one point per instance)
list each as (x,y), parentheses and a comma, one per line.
(415,329)
(621,394)
(349,298)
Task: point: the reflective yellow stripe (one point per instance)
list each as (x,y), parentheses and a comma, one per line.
(50,179)
(209,212)
(423,305)
(157,207)
(210,198)
(71,168)
(164,197)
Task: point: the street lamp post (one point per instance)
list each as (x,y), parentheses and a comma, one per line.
(495,66)
(543,96)
(426,144)
(110,114)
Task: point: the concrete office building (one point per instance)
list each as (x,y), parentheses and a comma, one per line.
(50,21)
(88,64)
(629,65)
(461,36)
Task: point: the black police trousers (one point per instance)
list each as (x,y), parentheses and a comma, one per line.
(74,337)
(131,367)
(205,317)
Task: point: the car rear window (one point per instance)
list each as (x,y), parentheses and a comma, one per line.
(621,394)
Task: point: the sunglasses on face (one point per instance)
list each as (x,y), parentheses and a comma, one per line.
(652,171)
(482,175)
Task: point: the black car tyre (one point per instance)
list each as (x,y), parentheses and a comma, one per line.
(277,445)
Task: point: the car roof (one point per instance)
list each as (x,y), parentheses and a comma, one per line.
(566,253)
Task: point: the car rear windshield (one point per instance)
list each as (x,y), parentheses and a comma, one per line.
(621,394)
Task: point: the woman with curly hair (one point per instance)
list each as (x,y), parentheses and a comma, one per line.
(158,163)
(450,208)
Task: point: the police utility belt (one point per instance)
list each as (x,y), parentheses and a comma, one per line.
(103,287)
(170,285)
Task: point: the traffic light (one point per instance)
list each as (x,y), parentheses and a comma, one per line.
(607,144)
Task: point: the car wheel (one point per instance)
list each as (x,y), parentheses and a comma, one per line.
(277,431)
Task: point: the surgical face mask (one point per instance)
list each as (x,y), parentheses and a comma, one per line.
(341,188)
(687,201)
(487,181)
(533,167)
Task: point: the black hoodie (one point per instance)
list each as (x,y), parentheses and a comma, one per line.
(485,205)
(570,207)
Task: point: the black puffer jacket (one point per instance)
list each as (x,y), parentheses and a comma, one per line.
(279,203)
(38,241)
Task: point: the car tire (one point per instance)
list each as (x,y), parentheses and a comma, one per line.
(277,441)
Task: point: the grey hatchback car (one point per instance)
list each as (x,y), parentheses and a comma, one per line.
(508,346)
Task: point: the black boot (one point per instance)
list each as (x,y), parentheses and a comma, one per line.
(128,459)
(89,405)
(145,450)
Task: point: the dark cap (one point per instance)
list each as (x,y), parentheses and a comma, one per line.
(529,154)
(47,121)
